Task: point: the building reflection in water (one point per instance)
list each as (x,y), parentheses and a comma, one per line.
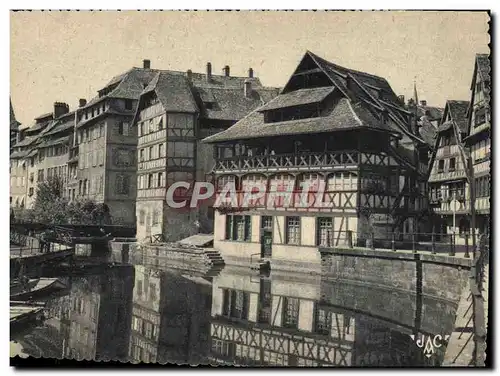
(170,317)
(281,321)
(158,315)
(91,322)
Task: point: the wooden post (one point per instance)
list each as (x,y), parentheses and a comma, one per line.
(349,238)
(467,255)
(393,242)
(452,245)
(414,249)
(433,240)
(472,194)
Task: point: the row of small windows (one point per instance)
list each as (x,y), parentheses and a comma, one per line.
(153,180)
(239,228)
(89,134)
(152,152)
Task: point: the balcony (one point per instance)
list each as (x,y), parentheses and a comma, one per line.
(287,162)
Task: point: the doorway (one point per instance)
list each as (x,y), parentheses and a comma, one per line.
(266,239)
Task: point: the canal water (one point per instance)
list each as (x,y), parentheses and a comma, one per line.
(143,312)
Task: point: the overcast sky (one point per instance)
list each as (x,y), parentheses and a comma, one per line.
(64,56)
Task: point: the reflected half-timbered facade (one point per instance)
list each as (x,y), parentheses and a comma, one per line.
(263,322)
(330,126)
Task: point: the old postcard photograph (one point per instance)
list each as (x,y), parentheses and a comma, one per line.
(252,188)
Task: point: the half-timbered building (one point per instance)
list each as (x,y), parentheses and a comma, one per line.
(105,145)
(478,141)
(331,126)
(448,187)
(176,110)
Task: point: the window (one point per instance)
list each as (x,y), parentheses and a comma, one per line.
(141,155)
(293,230)
(123,129)
(324,232)
(122,184)
(161,150)
(290,312)
(452,164)
(128,104)
(40,175)
(441,165)
(480,116)
(151,152)
(235,304)
(238,227)
(30,192)
(161,180)
(160,124)
(150,181)
(342,181)
(142,217)
(322,321)
(267,222)
(101,130)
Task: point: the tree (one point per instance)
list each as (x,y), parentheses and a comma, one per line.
(52,207)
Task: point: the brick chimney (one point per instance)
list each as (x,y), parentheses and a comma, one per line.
(60,109)
(146,64)
(248,88)
(423,103)
(250,73)
(82,102)
(189,74)
(226,71)
(209,71)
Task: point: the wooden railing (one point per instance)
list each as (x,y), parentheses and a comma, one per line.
(288,161)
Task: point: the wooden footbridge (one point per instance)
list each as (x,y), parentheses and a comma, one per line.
(68,234)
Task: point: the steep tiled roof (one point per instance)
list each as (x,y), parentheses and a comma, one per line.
(173,92)
(483,66)
(365,98)
(432,113)
(61,126)
(458,112)
(14,124)
(58,141)
(26,142)
(428,133)
(298,97)
(343,116)
(231,104)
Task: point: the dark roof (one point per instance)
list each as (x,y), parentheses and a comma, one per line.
(45,116)
(26,142)
(173,92)
(343,116)
(298,97)
(458,112)
(231,104)
(356,109)
(428,133)
(483,66)
(18,154)
(432,113)
(14,124)
(53,142)
(224,94)
(61,127)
